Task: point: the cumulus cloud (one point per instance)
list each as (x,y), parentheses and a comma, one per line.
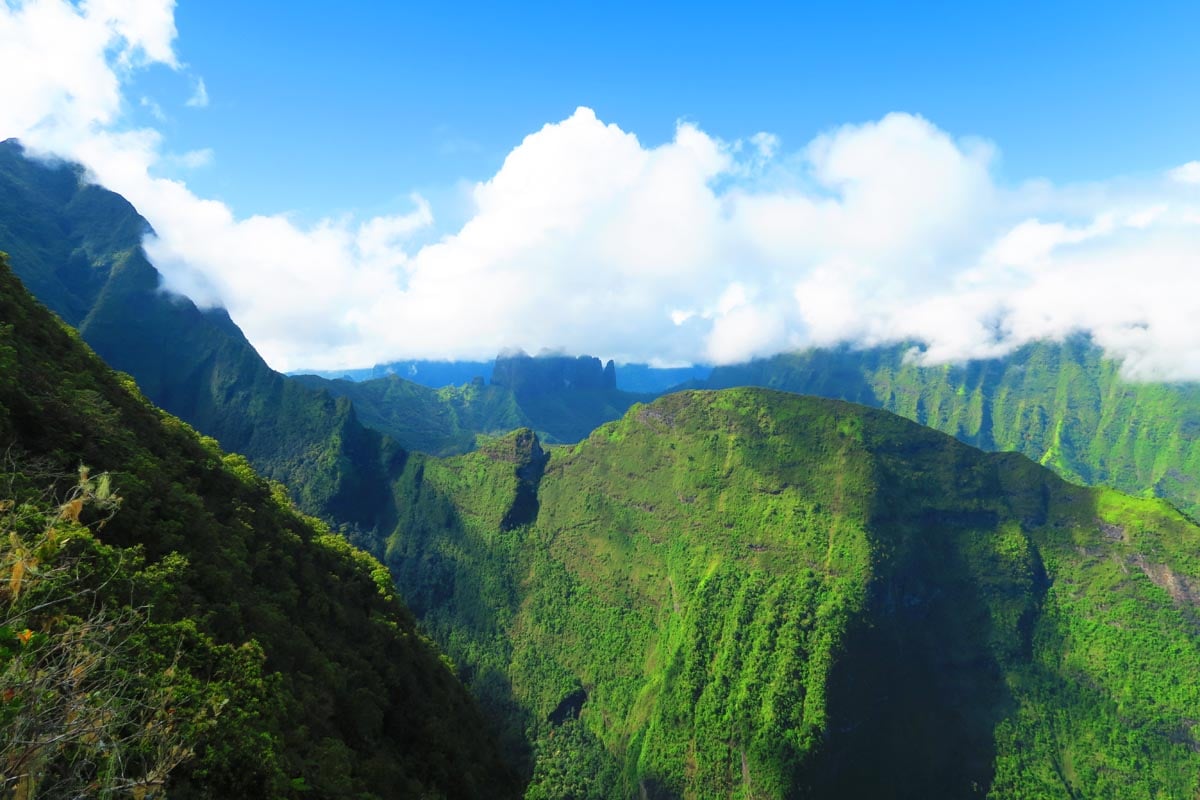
(589,240)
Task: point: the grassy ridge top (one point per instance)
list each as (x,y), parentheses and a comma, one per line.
(1063,404)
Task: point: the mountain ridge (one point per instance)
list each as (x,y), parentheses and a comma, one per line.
(78,248)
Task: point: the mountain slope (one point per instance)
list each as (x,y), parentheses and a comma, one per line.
(754,594)
(77,247)
(322,684)
(1062,404)
(436,421)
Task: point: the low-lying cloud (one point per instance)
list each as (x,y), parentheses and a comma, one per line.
(698,249)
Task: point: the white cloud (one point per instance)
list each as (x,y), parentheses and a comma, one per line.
(767,144)
(589,240)
(199,98)
(734,297)
(64,63)
(146,26)
(1147,216)
(154,108)
(744,332)
(1187,173)
(192,159)
(1030,243)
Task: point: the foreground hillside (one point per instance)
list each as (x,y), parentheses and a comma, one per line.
(754,594)
(285,664)
(1062,404)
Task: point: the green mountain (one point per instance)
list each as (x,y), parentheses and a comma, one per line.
(293,668)
(754,594)
(1062,404)
(77,247)
(562,398)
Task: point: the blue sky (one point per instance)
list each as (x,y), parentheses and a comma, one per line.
(322,108)
(360,183)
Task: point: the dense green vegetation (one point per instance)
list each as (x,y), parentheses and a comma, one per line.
(754,594)
(95,697)
(292,667)
(77,248)
(1062,404)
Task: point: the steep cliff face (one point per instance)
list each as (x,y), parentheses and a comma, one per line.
(564,398)
(530,376)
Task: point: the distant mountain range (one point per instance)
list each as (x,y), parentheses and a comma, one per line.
(562,398)
(636,378)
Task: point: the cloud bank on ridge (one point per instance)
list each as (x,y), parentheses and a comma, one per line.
(588,240)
